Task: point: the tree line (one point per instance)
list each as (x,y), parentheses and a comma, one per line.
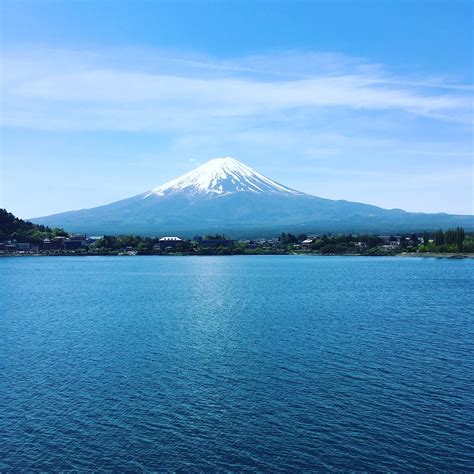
(451,240)
(12,227)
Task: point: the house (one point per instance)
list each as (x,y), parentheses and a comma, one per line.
(75,242)
(394,243)
(250,244)
(70,244)
(93,239)
(169,243)
(11,246)
(81,237)
(306,244)
(57,243)
(275,243)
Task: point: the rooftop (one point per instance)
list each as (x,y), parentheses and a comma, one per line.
(173,239)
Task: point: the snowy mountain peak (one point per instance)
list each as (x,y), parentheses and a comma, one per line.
(221,176)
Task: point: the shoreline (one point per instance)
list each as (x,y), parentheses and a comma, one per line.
(451,256)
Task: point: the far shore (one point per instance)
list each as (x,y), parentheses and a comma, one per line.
(311,254)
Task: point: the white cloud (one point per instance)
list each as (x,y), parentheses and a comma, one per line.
(327,124)
(152,91)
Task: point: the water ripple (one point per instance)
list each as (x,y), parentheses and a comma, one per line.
(271,364)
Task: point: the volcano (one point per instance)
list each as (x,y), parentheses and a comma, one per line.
(226,196)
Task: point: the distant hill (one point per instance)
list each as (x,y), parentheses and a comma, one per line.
(224,195)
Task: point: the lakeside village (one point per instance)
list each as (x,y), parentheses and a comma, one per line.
(19,237)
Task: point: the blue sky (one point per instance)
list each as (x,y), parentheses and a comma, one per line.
(365,101)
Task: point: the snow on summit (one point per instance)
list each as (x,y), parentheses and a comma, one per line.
(221,176)
(226,196)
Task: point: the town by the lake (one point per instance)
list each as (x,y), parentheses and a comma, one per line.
(20,238)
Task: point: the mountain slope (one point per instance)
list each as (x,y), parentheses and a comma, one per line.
(224,195)
(219,177)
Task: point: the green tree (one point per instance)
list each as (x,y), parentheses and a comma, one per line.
(439,237)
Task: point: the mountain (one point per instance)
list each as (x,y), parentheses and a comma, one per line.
(220,177)
(224,195)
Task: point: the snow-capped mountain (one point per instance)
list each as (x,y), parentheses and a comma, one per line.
(221,176)
(224,195)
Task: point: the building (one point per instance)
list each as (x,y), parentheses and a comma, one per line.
(70,244)
(169,243)
(81,237)
(306,244)
(11,246)
(394,243)
(250,244)
(93,239)
(274,243)
(75,242)
(57,243)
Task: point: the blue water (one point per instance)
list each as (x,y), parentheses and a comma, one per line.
(236,363)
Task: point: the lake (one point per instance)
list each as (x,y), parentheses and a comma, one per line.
(250,363)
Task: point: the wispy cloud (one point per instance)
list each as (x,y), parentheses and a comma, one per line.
(152,91)
(327,124)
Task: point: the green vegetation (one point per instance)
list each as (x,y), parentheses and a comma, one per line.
(343,244)
(450,241)
(13,228)
(110,245)
(453,240)
(287,239)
